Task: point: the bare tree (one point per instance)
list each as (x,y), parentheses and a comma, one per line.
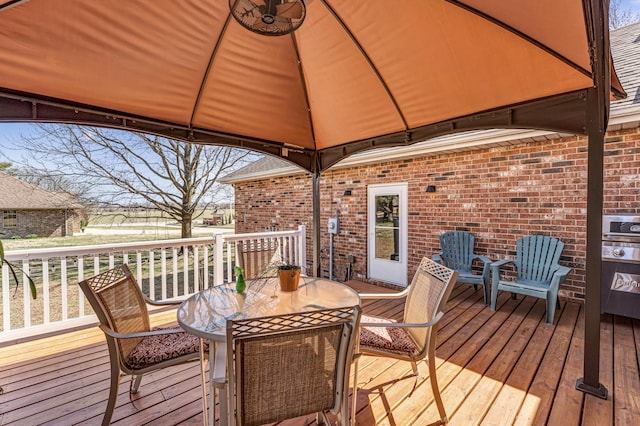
(7,167)
(619,17)
(124,169)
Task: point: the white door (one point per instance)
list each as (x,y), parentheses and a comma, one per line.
(387,224)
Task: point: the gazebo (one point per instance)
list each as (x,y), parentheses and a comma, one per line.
(355,75)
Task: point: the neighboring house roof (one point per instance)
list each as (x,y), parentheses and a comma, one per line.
(18,195)
(625,48)
(267,165)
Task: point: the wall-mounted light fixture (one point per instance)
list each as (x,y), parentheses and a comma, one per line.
(347,193)
(431,188)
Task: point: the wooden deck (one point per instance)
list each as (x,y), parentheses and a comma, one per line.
(494,368)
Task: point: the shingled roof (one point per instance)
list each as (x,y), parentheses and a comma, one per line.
(18,195)
(625,50)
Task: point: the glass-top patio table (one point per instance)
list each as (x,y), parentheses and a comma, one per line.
(205,315)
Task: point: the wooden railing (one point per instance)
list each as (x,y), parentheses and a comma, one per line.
(165,269)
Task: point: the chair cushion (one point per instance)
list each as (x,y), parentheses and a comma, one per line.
(154,349)
(392,339)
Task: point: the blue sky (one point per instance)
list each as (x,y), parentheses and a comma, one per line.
(633,5)
(9,133)
(630,5)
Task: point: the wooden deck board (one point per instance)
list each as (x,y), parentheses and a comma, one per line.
(538,402)
(494,368)
(491,380)
(507,403)
(600,411)
(625,370)
(474,358)
(567,404)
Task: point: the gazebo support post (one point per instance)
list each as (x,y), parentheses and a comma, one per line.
(316,223)
(598,111)
(590,382)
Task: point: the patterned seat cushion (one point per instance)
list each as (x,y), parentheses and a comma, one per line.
(392,339)
(154,349)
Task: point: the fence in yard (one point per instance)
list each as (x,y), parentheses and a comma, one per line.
(165,269)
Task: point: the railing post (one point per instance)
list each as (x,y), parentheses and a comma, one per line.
(152,275)
(6,307)
(302,244)
(45,291)
(80,294)
(185,269)
(196,269)
(218,257)
(25,293)
(64,287)
(205,267)
(163,273)
(174,260)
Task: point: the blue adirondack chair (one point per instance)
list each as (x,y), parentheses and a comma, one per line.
(457,254)
(538,272)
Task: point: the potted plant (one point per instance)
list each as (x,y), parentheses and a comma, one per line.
(289,276)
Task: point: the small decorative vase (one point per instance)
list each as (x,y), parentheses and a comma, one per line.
(241,284)
(289,279)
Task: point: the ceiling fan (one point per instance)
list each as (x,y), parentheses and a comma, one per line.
(269,17)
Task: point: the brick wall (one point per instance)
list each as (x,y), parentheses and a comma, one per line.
(44,223)
(500,194)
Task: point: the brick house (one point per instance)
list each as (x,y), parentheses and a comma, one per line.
(498,184)
(29,209)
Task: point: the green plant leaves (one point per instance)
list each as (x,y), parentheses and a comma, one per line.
(13,268)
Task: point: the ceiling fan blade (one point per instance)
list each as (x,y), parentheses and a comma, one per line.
(292,10)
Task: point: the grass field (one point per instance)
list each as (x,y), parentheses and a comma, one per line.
(95,235)
(143,216)
(115,228)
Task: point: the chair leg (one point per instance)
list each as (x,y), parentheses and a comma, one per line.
(485,288)
(113,394)
(552,301)
(136,384)
(434,382)
(494,295)
(354,394)
(414,367)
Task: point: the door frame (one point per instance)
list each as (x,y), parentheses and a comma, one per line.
(394,272)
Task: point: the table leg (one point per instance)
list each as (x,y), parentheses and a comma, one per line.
(203,376)
(212,387)
(219,380)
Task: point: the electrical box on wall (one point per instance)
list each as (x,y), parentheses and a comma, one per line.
(333,225)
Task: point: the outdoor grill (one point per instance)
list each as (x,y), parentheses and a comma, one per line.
(620,287)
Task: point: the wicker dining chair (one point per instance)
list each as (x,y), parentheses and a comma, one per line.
(413,339)
(258,259)
(285,366)
(134,348)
